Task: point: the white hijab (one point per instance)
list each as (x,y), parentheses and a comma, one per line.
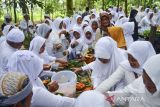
(6,29)
(27,62)
(139,50)
(91,99)
(15,35)
(85,40)
(43,29)
(106,48)
(128,30)
(75,24)
(56,24)
(36,44)
(67,21)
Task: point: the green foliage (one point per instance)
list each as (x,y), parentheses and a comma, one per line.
(146,33)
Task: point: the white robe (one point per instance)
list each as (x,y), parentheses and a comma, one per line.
(43,98)
(105,48)
(5,54)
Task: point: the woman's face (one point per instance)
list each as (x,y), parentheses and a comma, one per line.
(104,61)
(64,26)
(94,26)
(42,49)
(133,62)
(76,35)
(79,20)
(61,25)
(93,16)
(48,33)
(88,35)
(105,22)
(148,83)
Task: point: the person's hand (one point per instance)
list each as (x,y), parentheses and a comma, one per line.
(62,32)
(53,86)
(62,61)
(76,70)
(58,46)
(46,66)
(65,53)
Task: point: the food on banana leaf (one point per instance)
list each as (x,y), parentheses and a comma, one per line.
(80,86)
(88,88)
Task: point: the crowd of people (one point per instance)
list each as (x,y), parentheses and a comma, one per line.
(125,71)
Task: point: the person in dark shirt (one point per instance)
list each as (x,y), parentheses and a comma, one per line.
(132,19)
(86,12)
(7,20)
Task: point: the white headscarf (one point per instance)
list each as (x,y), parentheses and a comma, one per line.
(67,21)
(7,16)
(6,29)
(106,48)
(36,44)
(43,29)
(75,24)
(88,29)
(56,24)
(152,69)
(27,62)
(139,50)
(91,99)
(128,30)
(79,30)
(15,35)
(50,22)
(87,18)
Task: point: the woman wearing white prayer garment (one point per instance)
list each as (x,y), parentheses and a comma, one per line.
(24,24)
(146,11)
(91,99)
(77,22)
(14,41)
(67,24)
(5,31)
(18,91)
(146,23)
(140,14)
(158,19)
(7,21)
(48,22)
(121,20)
(37,46)
(128,30)
(144,91)
(94,25)
(130,69)
(56,44)
(76,46)
(155,14)
(108,58)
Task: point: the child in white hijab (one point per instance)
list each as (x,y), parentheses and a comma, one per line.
(132,68)
(108,58)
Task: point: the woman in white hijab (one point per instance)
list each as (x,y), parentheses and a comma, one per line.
(27,62)
(78,21)
(67,24)
(91,99)
(128,30)
(20,92)
(140,14)
(158,19)
(37,46)
(5,31)
(108,58)
(48,22)
(146,88)
(146,22)
(132,68)
(44,30)
(14,41)
(121,20)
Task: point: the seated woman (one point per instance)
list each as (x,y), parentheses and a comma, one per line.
(129,69)
(108,58)
(37,46)
(145,91)
(18,91)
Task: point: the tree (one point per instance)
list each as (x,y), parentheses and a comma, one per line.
(69,6)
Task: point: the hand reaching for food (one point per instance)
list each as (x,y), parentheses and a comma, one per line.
(53,86)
